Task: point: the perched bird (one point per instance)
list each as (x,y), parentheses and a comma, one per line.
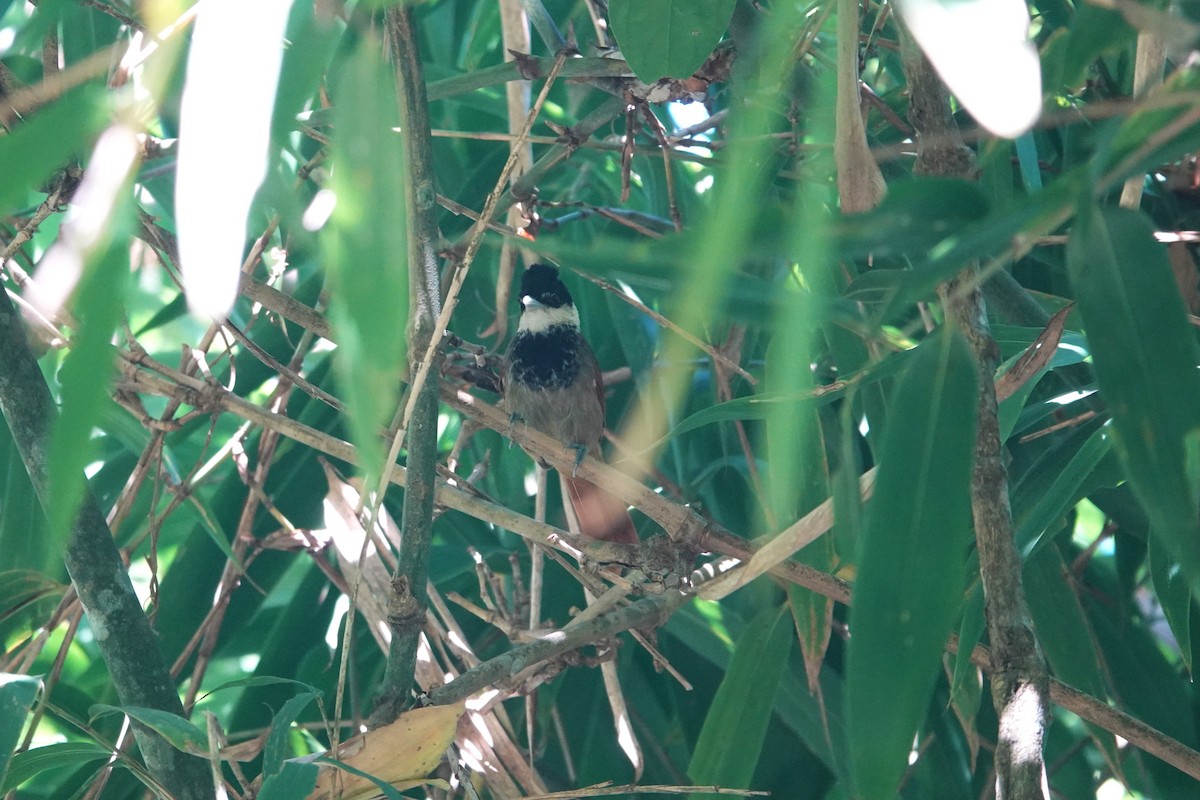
(552,381)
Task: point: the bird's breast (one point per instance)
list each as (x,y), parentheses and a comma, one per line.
(548,384)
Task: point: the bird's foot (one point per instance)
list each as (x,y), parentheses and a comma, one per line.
(513,419)
(580,454)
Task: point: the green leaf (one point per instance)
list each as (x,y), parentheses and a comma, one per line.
(311,43)
(1152,135)
(1054,484)
(915,214)
(910,577)
(963,692)
(1172,592)
(51,758)
(386,789)
(42,144)
(23,538)
(85,378)
(1027,158)
(276,748)
(766,404)
(182,734)
(734,729)
(1065,634)
(16,698)
(1095,32)
(1145,358)
(1150,689)
(20,588)
(365,244)
(1071,349)
(259,680)
(990,237)
(668,39)
(294,782)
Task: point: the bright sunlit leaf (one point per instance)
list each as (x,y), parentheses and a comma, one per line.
(982,51)
(225,125)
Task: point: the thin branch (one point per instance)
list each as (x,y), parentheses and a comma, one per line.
(195,392)
(708,349)
(125,17)
(647,613)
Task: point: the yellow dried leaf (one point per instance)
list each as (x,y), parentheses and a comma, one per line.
(400,754)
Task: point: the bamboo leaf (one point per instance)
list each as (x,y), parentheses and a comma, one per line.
(85,377)
(51,758)
(294,782)
(276,748)
(665,39)
(1145,357)
(44,142)
(911,562)
(365,244)
(1064,633)
(16,697)
(734,729)
(1054,484)
(182,734)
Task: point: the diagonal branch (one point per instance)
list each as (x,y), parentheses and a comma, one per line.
(171,383)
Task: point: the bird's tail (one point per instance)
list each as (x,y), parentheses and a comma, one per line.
(601,516)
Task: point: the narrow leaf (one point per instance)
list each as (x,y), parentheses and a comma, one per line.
(1065,634)
(966,686)
(665,39)
(294,782)
(182,734)
(1172,593)
(910,577)
(732,737)
(85,378)
(217,159)
(51,758)
(276,748)
(1145,358)
(20,588)
(43,143)
(365,244)
(16,698)
(1054,484)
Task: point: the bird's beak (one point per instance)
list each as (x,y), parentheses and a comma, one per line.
(527,302)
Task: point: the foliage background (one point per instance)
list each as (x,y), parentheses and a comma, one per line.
(244,563)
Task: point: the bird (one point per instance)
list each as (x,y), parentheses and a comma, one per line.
(551,380)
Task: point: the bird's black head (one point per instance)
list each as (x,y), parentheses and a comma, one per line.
(541,283)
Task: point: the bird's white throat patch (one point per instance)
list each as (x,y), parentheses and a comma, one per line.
(538,318)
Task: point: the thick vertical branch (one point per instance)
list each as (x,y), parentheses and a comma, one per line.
(123,633)
(1019,682)
(407,606)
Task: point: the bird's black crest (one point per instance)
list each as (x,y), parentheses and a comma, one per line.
(541,282)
